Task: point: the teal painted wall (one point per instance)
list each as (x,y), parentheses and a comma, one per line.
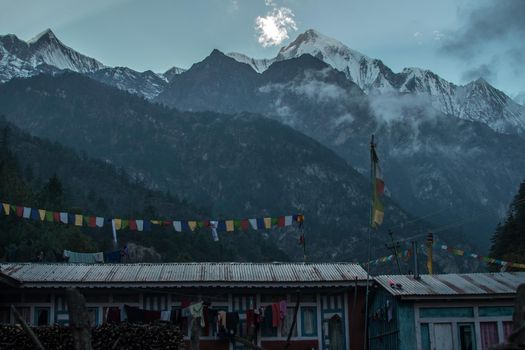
(407,327)
(397,334)
(383,334)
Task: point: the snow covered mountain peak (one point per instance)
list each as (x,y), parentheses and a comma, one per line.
(46,35)
(43,53)
(313,42)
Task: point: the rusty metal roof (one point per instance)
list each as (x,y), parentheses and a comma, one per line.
(185,274)
(458,285)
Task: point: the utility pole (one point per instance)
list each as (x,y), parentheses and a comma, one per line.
(393,247)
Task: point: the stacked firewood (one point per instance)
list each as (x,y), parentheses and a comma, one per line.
(124,335)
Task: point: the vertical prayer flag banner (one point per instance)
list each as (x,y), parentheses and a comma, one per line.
(378,211)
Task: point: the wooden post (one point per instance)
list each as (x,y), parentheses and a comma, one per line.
(518,317)
(195,333)
(79,319)
(28,330)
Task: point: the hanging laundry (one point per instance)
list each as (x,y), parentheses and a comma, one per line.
(151,316)
(276,315)
(112,315)
(282,309)
(85,258)
(113,257)
(221,318)
(165,315)
(196,312)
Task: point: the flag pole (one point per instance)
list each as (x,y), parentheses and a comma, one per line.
(372,175)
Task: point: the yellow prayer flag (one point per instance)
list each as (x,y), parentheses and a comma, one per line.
(7,208)
(78,220)
(192,225)
(118,224)
(229,225)
(267,223)
(42,214)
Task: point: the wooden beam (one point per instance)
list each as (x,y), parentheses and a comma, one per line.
(26,328)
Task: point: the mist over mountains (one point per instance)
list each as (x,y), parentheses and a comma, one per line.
(230,130)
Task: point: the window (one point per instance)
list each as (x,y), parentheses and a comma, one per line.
(489,334)
(466,336)
(93,316)
(309,321)
(287,323)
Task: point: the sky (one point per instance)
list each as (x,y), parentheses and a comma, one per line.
(460,40)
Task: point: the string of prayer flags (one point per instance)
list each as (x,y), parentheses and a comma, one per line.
(140,225)
(486,259)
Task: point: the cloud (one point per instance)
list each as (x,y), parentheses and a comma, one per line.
(419,37)
(484,71)
(274,27)
(520,98)
(233,6)
(492,33)
(437,35)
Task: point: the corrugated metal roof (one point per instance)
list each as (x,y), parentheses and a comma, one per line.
(498,283)
(185,274)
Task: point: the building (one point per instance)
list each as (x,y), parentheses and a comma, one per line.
(331,296)
(446,312)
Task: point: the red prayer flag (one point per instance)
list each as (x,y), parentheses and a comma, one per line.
(168,223)
(245,224)
(92,221)
(132,225)
(56,216)
(19,211)
(280,221)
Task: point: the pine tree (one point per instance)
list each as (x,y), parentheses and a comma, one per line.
(508,241)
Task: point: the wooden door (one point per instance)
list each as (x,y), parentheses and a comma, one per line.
(443,339)
(336,333)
